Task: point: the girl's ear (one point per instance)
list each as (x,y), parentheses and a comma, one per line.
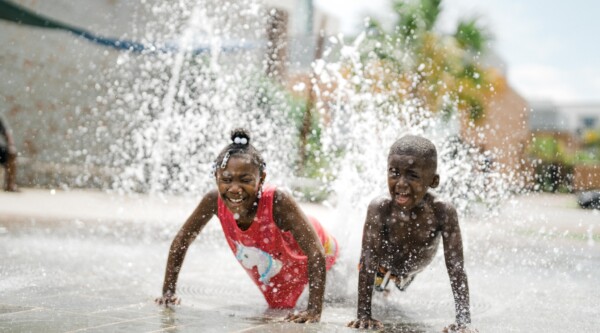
(435,182)
(263,176)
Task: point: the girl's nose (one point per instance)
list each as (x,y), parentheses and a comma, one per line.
(235,188)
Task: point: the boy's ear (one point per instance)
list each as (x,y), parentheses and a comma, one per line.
(435,182)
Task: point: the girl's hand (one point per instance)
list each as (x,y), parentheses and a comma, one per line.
(454,328)
(168,298)
(306,316)
(366,323)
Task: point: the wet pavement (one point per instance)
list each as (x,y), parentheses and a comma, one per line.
(85,261)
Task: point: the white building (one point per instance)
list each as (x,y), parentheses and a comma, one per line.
(569,118)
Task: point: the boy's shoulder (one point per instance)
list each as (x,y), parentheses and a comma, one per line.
(436,202)
(380,203)
(441,208)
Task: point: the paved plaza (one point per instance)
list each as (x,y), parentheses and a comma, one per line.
(87,261)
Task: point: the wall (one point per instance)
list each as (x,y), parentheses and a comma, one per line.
(59,92)
(504,128)
(586,177)
(51,83)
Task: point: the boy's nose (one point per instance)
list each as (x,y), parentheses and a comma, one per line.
(401,182)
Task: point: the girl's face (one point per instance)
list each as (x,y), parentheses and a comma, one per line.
(238,184)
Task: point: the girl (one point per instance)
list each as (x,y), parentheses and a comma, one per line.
(281,249)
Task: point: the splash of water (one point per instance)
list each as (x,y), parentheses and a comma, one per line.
(362,120)
(177,109)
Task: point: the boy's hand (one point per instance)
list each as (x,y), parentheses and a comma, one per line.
(368,323)
(167,299)
(306,316)
(454,328)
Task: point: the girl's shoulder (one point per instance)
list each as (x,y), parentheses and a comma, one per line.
(210,200)
(212,196)
(280,195)
(268,189)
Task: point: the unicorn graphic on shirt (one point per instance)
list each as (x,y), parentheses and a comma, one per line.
(266,265)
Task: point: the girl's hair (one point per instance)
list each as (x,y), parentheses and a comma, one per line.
(240,145)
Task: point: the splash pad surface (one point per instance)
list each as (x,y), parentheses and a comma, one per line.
(533,268)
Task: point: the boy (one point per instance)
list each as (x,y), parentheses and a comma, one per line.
(402,232)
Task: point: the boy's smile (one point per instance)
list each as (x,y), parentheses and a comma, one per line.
(409,178)
(238,184)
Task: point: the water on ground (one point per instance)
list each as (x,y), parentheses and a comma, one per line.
(534,267)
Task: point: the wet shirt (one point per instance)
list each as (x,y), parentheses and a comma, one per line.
(270,255)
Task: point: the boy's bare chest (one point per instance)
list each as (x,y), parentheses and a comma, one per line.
(414,235)
(414,227)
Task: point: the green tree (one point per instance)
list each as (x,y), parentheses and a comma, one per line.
(431,66)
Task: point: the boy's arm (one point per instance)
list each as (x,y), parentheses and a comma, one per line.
(206,209)
(369,262)
(289,217)
(453,254)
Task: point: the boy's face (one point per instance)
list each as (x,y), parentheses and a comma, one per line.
(238,184)
(409,178)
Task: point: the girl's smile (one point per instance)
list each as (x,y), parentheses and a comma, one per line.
(238,184)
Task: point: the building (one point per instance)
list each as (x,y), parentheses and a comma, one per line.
(58,87)
(571,125)
(503,128)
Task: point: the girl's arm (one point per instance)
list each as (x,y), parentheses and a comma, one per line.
(289,217)
(206,209)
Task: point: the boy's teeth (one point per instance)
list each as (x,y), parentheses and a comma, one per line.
(235,200)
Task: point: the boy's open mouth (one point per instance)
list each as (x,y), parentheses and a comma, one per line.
(402,198)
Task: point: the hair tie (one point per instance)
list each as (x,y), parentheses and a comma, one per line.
(237,140)
(225,159)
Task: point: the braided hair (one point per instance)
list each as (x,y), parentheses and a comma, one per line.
(240,145)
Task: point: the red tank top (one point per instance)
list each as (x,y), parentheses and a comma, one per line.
(271,256)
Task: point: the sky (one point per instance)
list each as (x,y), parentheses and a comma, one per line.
(551,48)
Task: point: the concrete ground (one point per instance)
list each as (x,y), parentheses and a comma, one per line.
(75,261)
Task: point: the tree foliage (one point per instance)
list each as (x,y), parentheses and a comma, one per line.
(443,71)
